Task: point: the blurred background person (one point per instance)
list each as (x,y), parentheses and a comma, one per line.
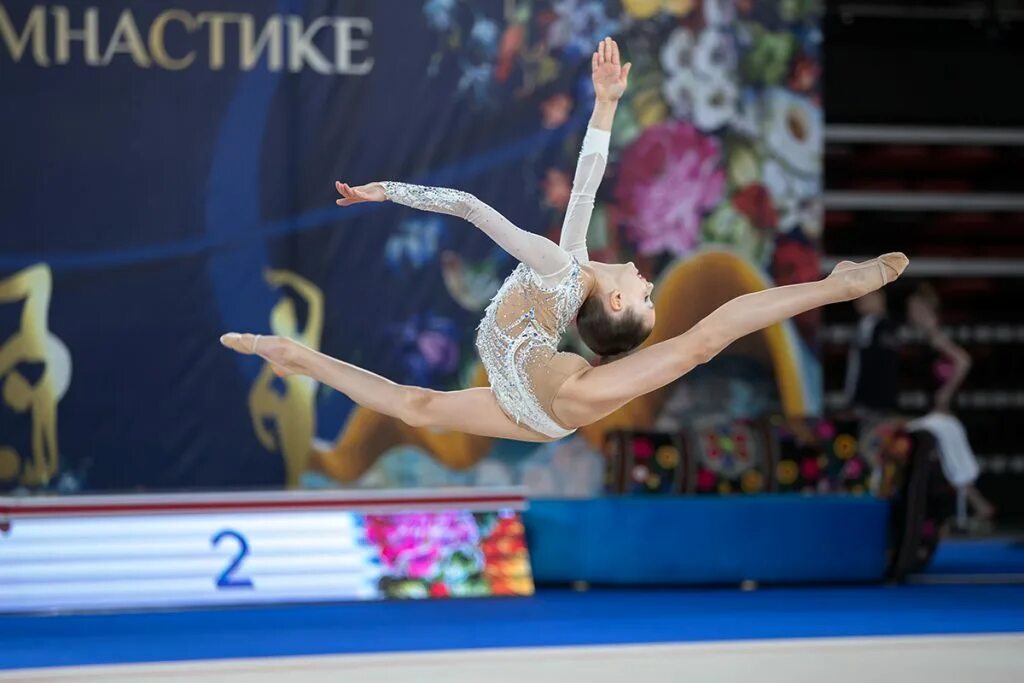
(873,361)
(949,365)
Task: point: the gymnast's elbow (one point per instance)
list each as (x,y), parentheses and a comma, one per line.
(469,207)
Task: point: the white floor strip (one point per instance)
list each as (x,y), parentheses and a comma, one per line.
(907,200)
(927,266)
(946,659)
(923,135)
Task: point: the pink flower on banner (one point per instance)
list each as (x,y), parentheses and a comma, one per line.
(668,179)
(854,469)
(705,480)
(438,350)
(413,545)
(643,448)
(810,470)
(825,430)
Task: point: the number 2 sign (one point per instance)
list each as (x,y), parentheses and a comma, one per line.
(227,578)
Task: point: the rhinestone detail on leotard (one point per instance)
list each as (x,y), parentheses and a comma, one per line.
(514,351)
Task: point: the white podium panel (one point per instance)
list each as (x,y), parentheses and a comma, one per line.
(119,552)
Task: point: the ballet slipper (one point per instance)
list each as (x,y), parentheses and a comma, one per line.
(860,277)
(267,348)
(242,343)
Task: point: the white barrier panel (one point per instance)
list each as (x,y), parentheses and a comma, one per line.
(115,552)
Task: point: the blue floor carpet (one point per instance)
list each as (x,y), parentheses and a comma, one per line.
(551,618)
(995,556)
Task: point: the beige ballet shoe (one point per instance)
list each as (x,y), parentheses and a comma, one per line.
(890,266)
(242,343)
(270,351)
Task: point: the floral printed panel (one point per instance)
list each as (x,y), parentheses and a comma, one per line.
(719,139)
(450,554)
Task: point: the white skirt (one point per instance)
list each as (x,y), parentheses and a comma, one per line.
(957,458)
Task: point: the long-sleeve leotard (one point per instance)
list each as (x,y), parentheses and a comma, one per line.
(518,337)
(549,261)
(589,171)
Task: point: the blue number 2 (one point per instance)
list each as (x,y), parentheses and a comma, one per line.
(227,578)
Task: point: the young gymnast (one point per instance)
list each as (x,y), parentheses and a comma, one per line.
(537,393)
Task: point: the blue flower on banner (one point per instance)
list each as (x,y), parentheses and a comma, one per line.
(439,13)
(579,25)
(476,78)
(415,243)
(428,348)
(484,36)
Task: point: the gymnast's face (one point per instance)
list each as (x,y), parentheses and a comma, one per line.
(631,293)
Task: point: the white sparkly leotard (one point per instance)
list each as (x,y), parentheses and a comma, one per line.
(521,328)
(518,344)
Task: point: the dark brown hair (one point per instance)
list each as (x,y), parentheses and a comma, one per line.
(607,334)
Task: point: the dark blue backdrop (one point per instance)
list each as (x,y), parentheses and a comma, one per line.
(157,198)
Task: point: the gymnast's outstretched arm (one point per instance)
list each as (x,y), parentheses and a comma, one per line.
(609,79)
(545,257)
(599,391)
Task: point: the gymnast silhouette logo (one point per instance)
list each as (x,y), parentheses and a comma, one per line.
(282,408)
(35,372)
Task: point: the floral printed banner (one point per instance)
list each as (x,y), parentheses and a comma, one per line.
(720,138)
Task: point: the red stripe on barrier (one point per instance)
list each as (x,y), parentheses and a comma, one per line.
(241,506)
